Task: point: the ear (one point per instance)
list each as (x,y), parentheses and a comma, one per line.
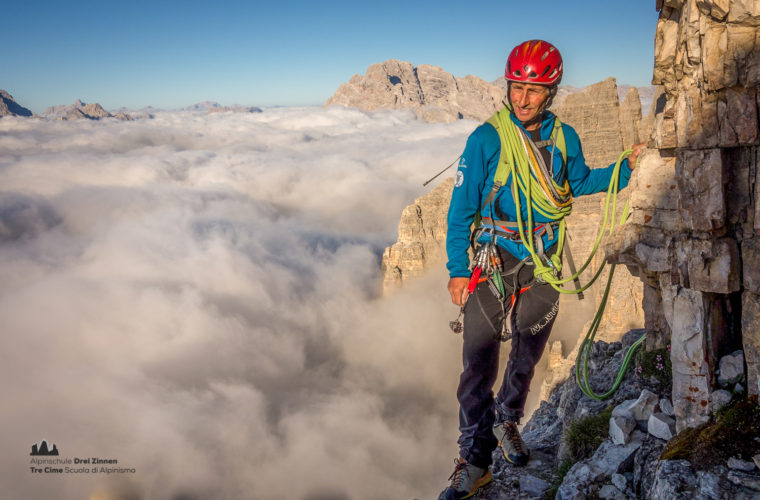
(550,97)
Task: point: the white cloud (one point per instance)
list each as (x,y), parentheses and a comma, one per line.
(197,296)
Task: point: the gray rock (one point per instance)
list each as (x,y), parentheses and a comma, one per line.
(719,399)
(756,459)
(645,465)
(731,369)
(750,481)
(661,426)
(621,427)
(609,492)
(667,407)
(641,408)
(709,485)
(674,480)
(623,409)
(739,464)
(532,486)
(619,481)
(606,461)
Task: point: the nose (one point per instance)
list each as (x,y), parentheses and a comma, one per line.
(522,99)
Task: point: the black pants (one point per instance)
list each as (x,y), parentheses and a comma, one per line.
(531,319)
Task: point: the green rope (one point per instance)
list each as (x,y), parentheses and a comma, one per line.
(524,181)
(581,362)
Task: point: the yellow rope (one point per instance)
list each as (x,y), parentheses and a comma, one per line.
(525,182)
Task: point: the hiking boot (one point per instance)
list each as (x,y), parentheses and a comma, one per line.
(465,481)
(511,443)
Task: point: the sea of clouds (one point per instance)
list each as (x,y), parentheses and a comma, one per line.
(198,296)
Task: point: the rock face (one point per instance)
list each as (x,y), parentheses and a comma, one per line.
(433,94)
(421,237)
(9,107)
(694,231)
(79,111)
(595,114)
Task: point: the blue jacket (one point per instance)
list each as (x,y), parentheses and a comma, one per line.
(474,180)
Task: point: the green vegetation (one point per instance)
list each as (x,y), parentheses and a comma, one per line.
(732,434)
(582,437)
(655,364)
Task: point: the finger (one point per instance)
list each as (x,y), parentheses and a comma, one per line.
(455,297)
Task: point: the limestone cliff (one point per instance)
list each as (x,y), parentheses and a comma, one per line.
(693,235)
(421,237)
(595,115)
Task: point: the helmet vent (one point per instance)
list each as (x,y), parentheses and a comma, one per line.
(545,55)
(533,74)
(548,67)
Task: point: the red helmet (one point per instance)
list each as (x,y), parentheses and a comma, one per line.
(534,61)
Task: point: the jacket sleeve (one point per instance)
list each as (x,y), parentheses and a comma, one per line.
(465,203)
(585,180)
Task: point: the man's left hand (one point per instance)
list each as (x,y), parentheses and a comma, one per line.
(634,157)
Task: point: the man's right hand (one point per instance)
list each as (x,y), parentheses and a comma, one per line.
(458,290)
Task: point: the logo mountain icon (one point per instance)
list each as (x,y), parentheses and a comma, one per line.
(43,449)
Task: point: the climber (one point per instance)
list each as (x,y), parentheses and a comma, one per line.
(528,306)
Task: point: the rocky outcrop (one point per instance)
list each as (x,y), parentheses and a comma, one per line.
(432,93)
(80,111)
(630,118)
(9,107)
(595,115)
(573,457)
(694,231)
(421,237)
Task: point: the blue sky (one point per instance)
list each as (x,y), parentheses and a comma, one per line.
(173,54)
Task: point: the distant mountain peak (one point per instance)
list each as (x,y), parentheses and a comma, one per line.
(80,110)
(9,107)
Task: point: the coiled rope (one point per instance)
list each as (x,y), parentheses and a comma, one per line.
(530,181)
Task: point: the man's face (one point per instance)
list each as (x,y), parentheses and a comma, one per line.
(527,99)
